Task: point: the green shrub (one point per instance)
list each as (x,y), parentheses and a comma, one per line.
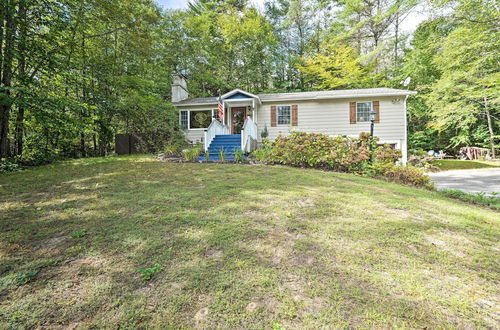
(261,154)
(406,175)
(343,154)
(386,154)
(191,153)
(175,147)
(238,155)
(6,166)
(36,156)
(481,198)
(173,150)
(148,273)
(207,156)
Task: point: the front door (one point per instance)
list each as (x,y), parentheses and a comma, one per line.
(238,119)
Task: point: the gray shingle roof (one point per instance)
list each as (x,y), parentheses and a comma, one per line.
(199,100)
(315,95)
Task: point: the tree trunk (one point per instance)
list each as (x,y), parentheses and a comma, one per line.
(358,34)
(3,8)
(19,130)
(10,31)
(490,129)
(22,13)
(396,39)
(82,144)
(84,98)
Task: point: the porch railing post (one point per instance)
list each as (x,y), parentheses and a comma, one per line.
(242,140)
(205,140)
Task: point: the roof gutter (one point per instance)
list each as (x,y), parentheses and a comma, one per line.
(193,104)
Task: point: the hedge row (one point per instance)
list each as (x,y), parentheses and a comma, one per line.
(342,154)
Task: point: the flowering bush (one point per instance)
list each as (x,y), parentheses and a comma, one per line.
(406,175)
(386,154)
(343,154)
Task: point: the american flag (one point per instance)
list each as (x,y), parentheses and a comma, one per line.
(221,109)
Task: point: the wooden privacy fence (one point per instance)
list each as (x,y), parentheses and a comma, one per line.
(126,144)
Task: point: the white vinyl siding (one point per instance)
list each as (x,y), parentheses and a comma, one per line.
(331,117)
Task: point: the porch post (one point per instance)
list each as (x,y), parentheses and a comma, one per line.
(253,110)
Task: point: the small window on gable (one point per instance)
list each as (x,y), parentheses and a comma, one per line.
(184,119)
(363,111)
(284,115)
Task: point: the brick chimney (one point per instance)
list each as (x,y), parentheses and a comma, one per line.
(179,88)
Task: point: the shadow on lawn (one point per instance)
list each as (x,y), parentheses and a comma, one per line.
(239,245)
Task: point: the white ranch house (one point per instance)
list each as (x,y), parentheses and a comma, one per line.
(335,112)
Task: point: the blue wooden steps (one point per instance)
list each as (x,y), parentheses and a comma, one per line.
(228,143)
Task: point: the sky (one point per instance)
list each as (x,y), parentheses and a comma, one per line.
(409,25)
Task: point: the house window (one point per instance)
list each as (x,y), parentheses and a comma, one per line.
(363,111)
(184,119)
(284,115)
(200,119)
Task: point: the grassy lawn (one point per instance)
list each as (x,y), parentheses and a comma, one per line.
(456,164)
(238,246)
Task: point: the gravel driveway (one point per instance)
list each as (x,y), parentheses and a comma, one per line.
(481,180)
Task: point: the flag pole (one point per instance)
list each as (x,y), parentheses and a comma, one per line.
(220,109)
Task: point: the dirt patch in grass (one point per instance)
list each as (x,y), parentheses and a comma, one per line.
(201,316)
(454,243)
(216,254)
(275,247)
(305,202)
(398,212)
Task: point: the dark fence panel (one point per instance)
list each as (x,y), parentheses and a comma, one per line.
(126,144)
